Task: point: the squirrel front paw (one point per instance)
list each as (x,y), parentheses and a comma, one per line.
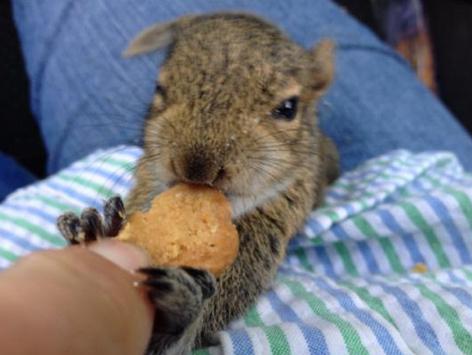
(178,294)
(91,226)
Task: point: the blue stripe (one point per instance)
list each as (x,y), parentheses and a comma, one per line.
(315,226)
(369,257)
(117,179)
(20,241)
(121,178)
(364,171)
(454,278)
(282,309)
(339,232)
(422,328)
(325,261)
(241,342)
(351,210)
(311,259)
(362,190)
(464,181)
(33,210)
(99,164)
(315,345)
(131,152)
(360,180)
(363,246)
(294,243)
(389,220)
(462,295)
(94,164)
(383,336)
(442,212)
(83,199)
(127,151)
(336,195)
(314,338)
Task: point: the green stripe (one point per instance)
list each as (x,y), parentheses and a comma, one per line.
(275,336)
(342,185)
(57,205)
(442,162)
(343,252)
(467,273)
(435,182)
(464,203)
(415,216)
(351,184)
(201,352)
(329,213)
(302,257)
(366,228)
(125,164)
(373,302)
(363,201)
(460,274)
(8,255)
(403,192)
(462,198)
(392,256)
(332,215)
(277,340)
(461,336)
(35,229)
(252,318)
(351,338)
(99,189)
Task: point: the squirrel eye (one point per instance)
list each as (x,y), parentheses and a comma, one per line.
(287,110)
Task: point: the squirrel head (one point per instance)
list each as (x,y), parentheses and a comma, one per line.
(233,106)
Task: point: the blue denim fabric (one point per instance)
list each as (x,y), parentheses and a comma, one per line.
(86,96)
(12,176)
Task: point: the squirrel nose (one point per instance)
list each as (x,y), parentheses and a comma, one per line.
(199,169)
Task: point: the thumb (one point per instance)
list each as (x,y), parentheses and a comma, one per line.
(74,301)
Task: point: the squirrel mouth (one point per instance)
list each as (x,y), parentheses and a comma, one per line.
(226,193)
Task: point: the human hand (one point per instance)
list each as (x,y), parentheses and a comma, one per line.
(75,301)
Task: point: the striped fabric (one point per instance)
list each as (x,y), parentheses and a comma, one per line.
(383,267)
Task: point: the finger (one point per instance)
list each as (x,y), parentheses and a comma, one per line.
(125,255)
(72,301)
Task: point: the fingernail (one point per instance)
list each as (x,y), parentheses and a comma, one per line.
(125,255)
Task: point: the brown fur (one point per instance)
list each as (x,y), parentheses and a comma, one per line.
(223,76)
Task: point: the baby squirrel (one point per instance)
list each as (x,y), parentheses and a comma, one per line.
(234,109)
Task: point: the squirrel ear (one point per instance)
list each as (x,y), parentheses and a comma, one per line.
(323,65)
(152,38)
(157,36)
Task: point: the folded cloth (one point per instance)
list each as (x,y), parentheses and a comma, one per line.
(383,267)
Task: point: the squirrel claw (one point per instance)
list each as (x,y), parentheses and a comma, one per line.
(92,226)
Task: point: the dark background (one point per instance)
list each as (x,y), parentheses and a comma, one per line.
(450,23)
(19,136)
